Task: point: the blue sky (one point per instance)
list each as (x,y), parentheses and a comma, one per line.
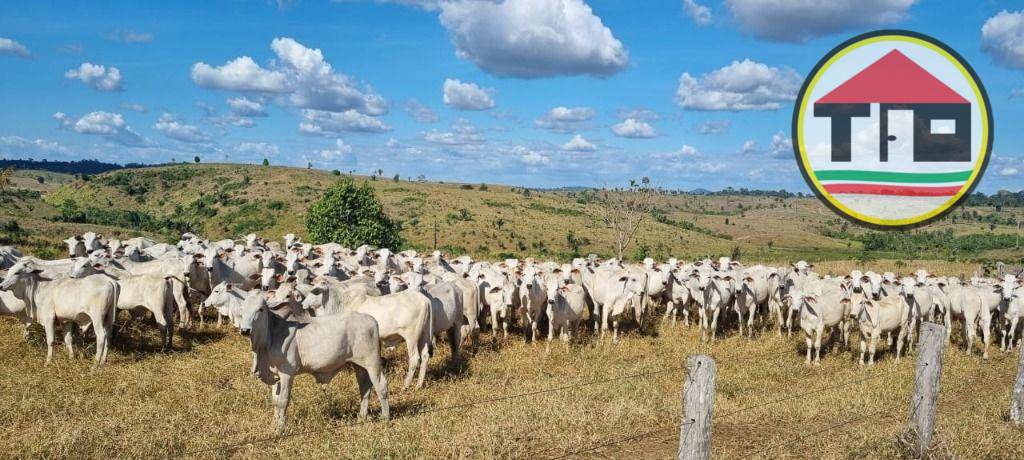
(531,92)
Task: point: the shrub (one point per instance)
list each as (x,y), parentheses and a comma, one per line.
(351,215)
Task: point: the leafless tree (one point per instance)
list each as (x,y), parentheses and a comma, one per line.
(5,177)
(623,210)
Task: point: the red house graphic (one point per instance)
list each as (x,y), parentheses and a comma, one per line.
(941,121)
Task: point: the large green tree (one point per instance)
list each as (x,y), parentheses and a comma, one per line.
(351,215)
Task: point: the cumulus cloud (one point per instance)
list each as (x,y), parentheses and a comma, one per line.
(340,150)
(710,167)
(462,133)
(467,96)
(109,125)
(299,77)
(1002,36)
(20,146)
(742,85)
(714,127)
(98,77)
(633,128)
(700,14)
(245,107)
(565,119)
(420,112)
(258,149)
(392,143)
(129,36)
(579,144)
(530,157)
(13,48)
(749,147)
(687,151)
(533,38)
(180,131)
(1008,171)
(781,146)
(801,20)
(138,108)
(319,122)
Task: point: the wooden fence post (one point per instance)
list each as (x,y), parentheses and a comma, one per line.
(698,408)
(926,385)
(1017,399)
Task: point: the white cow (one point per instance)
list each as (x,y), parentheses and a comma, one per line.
(88,300)
(532,300)
(565,310)
(402,317)
(825,305)
(286,346)
(877,316)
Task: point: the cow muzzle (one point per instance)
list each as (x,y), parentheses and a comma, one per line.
(245,332)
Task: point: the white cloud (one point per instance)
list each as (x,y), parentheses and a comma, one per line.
(641,114)
(109,125)
(467,96)
(533,38)
(463,133)
(530,157)
(341,149)
(392,143)
(258,149)
(20,146)
(420,112)
(755,173)
(579,144)
(802,20)
(1008,171)
(245,107)
(138,108)
(129,36)
(1002,36)
(633,128)
(98,77)
(413,151)
(299,77)
(13,48)
(687,151)
(179,131)
(565,119)
(710,167)
(323,123)
(749,146)
(745,85)
(782,146)
(714,127)
(700,14)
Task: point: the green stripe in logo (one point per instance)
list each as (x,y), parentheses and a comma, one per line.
(887,176)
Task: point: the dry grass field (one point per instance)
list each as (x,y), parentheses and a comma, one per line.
(509,399)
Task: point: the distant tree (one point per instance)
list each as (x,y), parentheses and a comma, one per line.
(351,215)
(196,159)
(396,178)
(483,187)
(309,165)
(335,173)
(40,179)
(266,162)
(624,210)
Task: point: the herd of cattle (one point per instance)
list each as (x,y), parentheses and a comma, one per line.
(315,308)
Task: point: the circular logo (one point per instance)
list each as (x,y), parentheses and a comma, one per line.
(892,129)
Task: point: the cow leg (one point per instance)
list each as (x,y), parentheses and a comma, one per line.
(551,325)
(714,324)
(282,393)
(899,342)
(69,339)
(455,339)
(810,345)
(703,323)
(363,379)
(102,342)
(48,328)
(605,311)
(986,336)
(424,359)
(863,349)
(789,323)
(750,322)
(414,360)
(1013,330)
(949,324)
(817,344)
(873,347)
(615,331)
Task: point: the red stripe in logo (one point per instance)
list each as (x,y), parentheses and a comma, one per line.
(894,190)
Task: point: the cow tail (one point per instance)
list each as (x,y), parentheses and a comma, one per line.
(112,313)
(430,326)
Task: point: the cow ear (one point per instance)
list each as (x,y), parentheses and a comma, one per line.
(279,278)
(624,278)
(728,278)
(495,290)
(255,276)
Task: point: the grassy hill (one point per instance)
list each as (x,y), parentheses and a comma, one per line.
(228,200)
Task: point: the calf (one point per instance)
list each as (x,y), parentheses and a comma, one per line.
(565,310)
(284,347)
(825,306)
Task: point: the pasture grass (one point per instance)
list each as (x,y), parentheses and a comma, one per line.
(200,402)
